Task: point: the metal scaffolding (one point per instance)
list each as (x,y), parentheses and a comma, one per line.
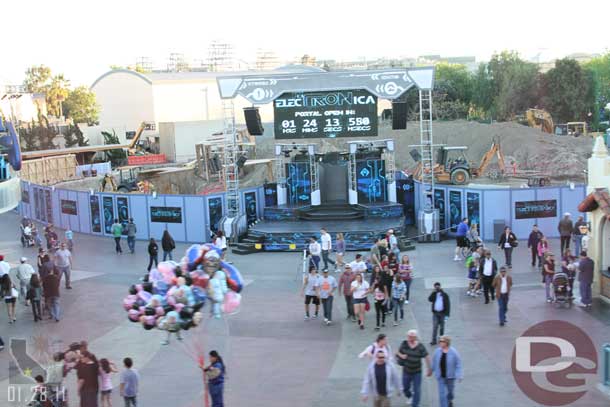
(426,146)
(231,171)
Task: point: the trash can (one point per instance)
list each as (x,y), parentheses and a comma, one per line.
(499,225)
(428,226)
(606,357)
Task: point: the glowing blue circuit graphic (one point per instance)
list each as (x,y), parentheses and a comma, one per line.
(372,184)
(298,183)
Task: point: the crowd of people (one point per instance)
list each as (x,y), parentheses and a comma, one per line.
(381,275)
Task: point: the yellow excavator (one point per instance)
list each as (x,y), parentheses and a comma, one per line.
(133,146)
(540,119)
(452,165)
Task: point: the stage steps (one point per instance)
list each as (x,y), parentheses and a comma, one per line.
(331,212)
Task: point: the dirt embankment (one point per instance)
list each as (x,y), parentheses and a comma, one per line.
(560,157)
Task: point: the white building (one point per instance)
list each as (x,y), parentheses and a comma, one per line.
(128,98)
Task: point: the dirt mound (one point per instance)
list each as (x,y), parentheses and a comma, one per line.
(561,158)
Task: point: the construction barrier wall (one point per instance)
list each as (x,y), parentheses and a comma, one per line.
(49,170)
(487,205)
(94,213)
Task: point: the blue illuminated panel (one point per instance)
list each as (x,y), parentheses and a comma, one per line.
(372,184)
(298,183)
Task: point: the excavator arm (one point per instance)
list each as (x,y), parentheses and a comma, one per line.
(540,119)
(132,146)
(486,160)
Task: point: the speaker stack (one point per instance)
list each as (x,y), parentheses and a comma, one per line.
(253,121)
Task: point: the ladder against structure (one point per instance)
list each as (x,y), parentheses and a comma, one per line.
(426,146)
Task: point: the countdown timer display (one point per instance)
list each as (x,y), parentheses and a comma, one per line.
(345,113)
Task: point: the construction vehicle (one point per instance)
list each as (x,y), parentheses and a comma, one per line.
(452,165)
(540,119)
(137,145)
(128,179)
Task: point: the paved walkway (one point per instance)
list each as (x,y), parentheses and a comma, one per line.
(274,358)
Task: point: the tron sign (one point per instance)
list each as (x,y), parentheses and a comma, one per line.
(346,113)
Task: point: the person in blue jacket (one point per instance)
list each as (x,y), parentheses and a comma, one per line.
(461,239)
(215,373)
(447,368)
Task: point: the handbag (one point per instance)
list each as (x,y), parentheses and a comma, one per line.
(367,305)
(14,293)
(514,243)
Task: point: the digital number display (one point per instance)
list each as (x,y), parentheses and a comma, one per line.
(346,113)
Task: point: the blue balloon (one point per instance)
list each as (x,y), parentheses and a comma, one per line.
(234,275)
(193,252)
(200,294)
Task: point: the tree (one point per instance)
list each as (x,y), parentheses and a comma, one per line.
(566,91)
(599,69)
(37,79)
(514,84)
(482,91)
(118,156)
(74,137)
(452,93)
(57,92)
(81,106)
(27,138)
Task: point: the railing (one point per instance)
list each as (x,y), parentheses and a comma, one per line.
(10,194)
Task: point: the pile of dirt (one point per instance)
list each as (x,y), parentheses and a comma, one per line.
(560,157)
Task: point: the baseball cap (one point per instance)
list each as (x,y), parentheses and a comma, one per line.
(24,259)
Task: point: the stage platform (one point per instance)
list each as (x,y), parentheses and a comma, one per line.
(287,228)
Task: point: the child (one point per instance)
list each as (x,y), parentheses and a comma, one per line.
(472,267)
(106,370)
(69,237)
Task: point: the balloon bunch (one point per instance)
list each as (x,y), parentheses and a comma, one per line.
(173,295)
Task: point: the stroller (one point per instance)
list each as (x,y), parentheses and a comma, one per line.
(561,288)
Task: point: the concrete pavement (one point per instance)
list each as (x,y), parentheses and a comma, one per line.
(273,357)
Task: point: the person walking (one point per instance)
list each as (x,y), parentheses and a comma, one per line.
(87,372)
(168,245)
(376,253)
(340,251)
(386,280)
(441,308)
(508,241)
(35,296)
(215,374)
(326,289)
(10,295)
(381,381)
(327,246)
(380,344)
(393,243)
(547,275)
(345,289)
(63,261)
(399,291)
(543,248)
(358,265)
(117,231)
(153,253)
(24,275)
(578,234)
(131,236)
(409,356)
(565,228)
(221,243)
(380,292)
(447,368)
(360,290)
(314,252)
(461,241)
(106,370)
(585,277)
(50,291)
(130,380)
(310,291)
(487,270)
(69,235)
(532,243)
(405,271)
(502,284)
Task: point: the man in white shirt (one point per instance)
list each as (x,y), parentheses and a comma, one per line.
(314,252)
(358,265)
(63,261)
(393,240)
(24,274)
(327,246)
(487,270)
(502,285)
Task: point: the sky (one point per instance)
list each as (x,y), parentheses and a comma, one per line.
(83,38)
